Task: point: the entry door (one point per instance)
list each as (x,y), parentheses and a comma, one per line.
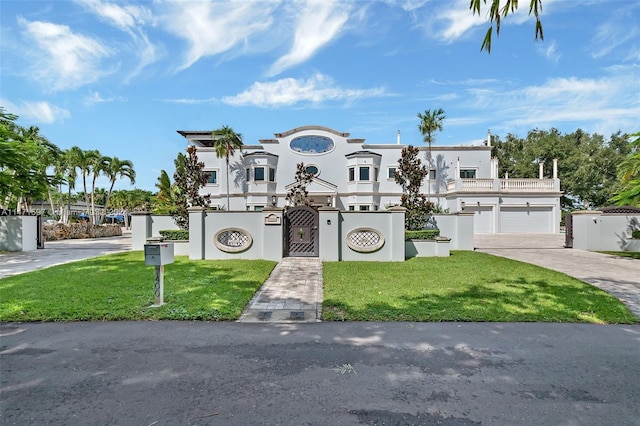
(301,232)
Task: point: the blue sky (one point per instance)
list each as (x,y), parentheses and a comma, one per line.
(122,77)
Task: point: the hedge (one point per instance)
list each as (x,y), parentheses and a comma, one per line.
(175,234)
(425,234)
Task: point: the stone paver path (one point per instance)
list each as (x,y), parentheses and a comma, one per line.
(292,293)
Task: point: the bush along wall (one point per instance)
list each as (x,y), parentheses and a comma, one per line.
(425,234)
(175,234)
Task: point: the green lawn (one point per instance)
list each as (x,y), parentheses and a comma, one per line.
(121,287)
(631,254)
(467,286)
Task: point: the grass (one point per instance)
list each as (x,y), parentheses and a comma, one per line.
(631,254)
(467,286)
(121,287)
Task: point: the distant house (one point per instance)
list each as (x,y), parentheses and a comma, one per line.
(350,174)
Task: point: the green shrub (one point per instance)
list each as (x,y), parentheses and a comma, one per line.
(175,234)
(424,234)
(635,233)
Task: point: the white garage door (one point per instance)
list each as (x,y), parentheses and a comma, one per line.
(482,220)
(526,219)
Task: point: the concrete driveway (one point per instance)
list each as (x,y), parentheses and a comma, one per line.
(617,275)
(59,252)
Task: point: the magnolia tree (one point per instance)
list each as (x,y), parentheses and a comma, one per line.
(188,181)
(298,194)
(409,175)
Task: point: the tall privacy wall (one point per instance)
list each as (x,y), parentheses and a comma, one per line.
(18,233)
(341,235)
(261,235)
(594,231)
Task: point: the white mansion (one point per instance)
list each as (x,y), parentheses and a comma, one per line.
(350,174)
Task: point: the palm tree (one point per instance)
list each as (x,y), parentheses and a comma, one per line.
(226,141)
(430,123)
(114,169)
(98,166)
(84,161)
(72,156)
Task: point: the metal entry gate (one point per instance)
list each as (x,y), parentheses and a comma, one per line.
(301,232)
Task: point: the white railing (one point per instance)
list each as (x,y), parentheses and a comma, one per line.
(475,184)
(524,185)
(503,185)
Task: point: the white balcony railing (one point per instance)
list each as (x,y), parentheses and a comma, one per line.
(503,185)
(524,185)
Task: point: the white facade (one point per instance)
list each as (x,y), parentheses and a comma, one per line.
(352,175)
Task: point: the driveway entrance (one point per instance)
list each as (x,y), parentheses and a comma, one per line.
(617,275)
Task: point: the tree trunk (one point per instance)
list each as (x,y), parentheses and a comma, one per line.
(228,206)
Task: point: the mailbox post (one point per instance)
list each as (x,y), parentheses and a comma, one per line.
(158,255)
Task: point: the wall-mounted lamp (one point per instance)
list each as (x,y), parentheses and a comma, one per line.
(328,200)
(274,200)
(328,221)
(527,204)
(478,203)
(461,205)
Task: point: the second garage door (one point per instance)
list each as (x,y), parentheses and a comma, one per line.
(526,219)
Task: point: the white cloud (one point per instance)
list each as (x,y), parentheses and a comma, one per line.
(212,28)
(615,36)
(63,59)
(289,91)
(124,17)
(550,52)
(95,98)
(450,21)
(190,101)
(319,22)
(36,112)
(456,19)
(131,20)
(600,104)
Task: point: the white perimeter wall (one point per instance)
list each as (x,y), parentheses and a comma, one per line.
(594,231)
(18,233)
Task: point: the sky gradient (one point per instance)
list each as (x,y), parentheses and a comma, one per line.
(122,77)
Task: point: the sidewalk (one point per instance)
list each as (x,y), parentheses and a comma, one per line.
(292,293)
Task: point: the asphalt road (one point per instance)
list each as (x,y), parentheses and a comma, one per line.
(194,373)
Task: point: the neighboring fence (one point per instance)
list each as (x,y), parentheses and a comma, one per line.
(605,231)
(341,235)
(19,233)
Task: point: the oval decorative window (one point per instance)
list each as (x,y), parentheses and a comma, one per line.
(313,170)
(365,240)
(311,144)
(232,240)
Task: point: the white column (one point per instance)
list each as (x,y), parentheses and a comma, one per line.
(458,168)
(555,168)
(541,169)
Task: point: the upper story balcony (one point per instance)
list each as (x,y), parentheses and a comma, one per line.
(503,185)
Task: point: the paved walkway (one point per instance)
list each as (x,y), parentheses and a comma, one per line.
(292,293)
(620,276)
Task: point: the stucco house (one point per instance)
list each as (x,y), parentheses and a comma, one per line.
(351,175)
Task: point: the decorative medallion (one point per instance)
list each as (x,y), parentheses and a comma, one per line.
(232,240)
(365,240)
